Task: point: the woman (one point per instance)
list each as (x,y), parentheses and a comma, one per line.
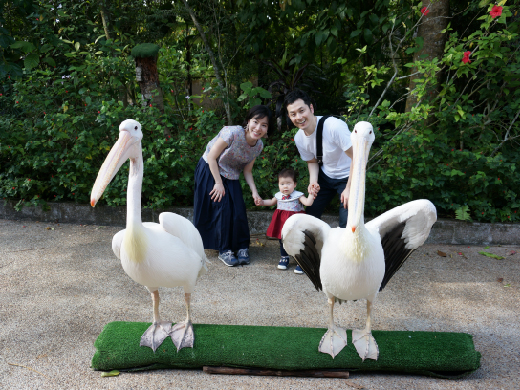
(219,211)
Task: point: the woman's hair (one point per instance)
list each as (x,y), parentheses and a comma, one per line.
(259,112)
(287,172)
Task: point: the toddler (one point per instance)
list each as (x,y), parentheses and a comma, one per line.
(289,202)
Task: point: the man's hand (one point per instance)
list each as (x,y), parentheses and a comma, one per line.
(344,196)
(313,189)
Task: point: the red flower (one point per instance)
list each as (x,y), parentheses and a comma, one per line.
(482,213)
(1,94)
(496,11)
(191,128)
(466,59)
(424,11)
(66,91)
(13,188)
(98,112)
(150,105)
(17,101)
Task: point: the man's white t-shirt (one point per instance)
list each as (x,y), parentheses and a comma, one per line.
(336,140)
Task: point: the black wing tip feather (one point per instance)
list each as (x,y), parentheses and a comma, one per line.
(309,260)
(395,252)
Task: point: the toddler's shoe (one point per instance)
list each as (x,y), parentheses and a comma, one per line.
(228,258)
(243,257)
(298,270)
(284,262)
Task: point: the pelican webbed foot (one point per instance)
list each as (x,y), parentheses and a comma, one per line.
(182,335)
(333,341)
(365,344)
(155,334)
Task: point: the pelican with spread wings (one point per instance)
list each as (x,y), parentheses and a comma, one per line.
(358,261)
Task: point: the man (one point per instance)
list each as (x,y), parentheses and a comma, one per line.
(333,177)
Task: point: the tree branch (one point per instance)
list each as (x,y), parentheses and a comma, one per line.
(216,68)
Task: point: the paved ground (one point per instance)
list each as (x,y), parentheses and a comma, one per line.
(60,284)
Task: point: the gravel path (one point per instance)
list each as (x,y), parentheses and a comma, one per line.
(60,284)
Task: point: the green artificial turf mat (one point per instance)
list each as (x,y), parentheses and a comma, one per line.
(438,354)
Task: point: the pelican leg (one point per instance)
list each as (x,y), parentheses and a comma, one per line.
(159,330)
(335,339)
(363,340)
(182,333)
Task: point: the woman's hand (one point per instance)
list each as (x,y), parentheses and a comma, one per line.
(218,192)
(258,200)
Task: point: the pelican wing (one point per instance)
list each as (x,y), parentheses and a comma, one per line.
(181,227)
(403,229)
(116,243)
(303,237)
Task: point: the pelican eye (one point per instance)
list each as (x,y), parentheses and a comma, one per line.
(370,132)
(355,131)
(136,128)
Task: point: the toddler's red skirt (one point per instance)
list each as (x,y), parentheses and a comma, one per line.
(277,222)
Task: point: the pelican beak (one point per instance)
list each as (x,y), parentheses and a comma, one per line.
(114,160)
(353,230)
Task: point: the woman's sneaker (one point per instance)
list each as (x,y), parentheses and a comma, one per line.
(284,262)
(228,258)
(243,256)
(298,270)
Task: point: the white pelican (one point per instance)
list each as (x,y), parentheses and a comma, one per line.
(165,254)
(357,262)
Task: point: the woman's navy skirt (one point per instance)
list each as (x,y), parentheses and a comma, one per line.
(222,225)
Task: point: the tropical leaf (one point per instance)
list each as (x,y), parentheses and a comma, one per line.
(462,213)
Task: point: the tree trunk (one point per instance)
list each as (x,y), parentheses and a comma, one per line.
(149,81)
(434,41)
(104,18)
(216,68)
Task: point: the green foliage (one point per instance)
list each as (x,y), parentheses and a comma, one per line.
(64,88)
(250,94)
(462,213)
(145,50)
(457,147)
